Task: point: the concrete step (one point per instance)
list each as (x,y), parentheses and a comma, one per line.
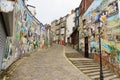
(93,70)
(97,77)
(84,63)
(117,78)
(112,77)
(90,63)
(82,66)
(76,58)
(97,73)
(88,68)
(81,60)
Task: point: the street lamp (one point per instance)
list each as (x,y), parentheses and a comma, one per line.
(102,21)
(101,70)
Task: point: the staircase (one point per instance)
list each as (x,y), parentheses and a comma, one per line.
(90,67)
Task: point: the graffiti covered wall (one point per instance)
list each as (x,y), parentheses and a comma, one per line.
(26,36)
(106,16)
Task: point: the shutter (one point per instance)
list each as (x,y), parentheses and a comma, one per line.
(2,41)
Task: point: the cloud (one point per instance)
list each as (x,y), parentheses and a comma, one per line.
(48,10)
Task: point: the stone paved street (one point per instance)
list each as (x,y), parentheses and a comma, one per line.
(59,39)
(47,64)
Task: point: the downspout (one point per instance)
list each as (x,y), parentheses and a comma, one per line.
(119,9)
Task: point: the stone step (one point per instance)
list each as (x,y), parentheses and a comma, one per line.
(93,70)
(83,66)
(85,59)
(112,77)
(89,68)
(112,74)
(97,73)
(75,58)
(81,60)
(84,63)
(117,78)
(90,61)
(97,77)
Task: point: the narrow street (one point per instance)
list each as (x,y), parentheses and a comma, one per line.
(60,40)
(47,64)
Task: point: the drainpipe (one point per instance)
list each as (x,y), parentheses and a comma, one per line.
(119,9)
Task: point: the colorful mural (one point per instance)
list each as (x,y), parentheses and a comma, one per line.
(106,15)
(26,35)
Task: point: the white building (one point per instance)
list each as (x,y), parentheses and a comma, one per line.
(69,25)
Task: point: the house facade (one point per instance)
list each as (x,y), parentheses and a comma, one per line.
(69,26)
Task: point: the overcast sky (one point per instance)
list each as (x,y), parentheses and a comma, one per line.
(48,10)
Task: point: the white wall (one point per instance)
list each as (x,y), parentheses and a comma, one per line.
(6,6)
(70,24)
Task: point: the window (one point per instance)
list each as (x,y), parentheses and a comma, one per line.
(62,30)
(76,23)
(77,12)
